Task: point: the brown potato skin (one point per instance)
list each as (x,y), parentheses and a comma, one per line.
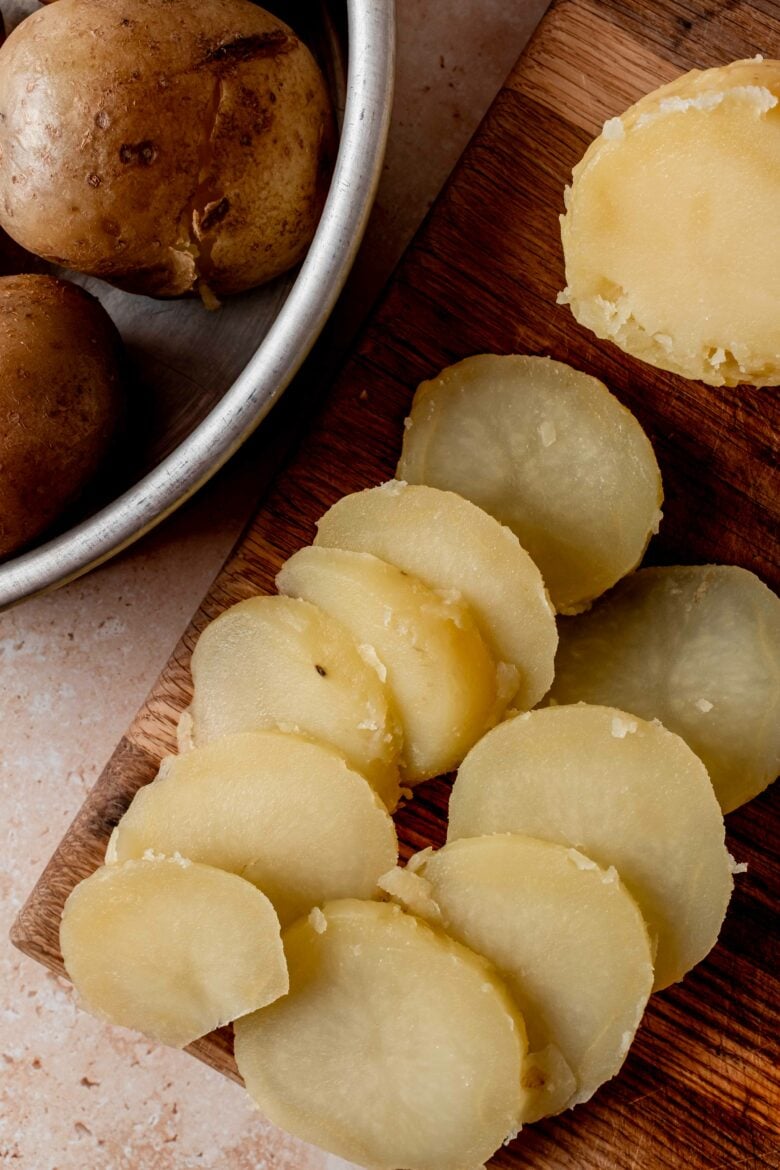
(60,400)
(162,143)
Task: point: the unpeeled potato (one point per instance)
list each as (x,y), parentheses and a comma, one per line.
(280,662)
(166,147)
(451,544)
(396,1046)
(569,941)
(288,815)
(170,948)
(549,452)
(60,400)
(445,684)
(628,794)
(696,646)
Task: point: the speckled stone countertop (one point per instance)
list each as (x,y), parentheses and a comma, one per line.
(75,666)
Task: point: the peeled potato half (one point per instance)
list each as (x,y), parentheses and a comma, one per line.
(280,662)
(550,453)
(396,1047)
(443,680)
(628,794)
(289,816)
(696,646)
(568,940)
(671,233)
(171,948)
(451,544)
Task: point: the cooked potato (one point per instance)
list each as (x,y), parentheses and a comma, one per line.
(285,814)
(665,255)
(451,544)
(698,647)
(568,940)
(170,948)
(279,662)
(166,147)
(549,452)
(60,400)
(442,678)
(396,1046)
(629,794)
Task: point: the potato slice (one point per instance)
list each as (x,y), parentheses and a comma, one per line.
(396,1046)
(443,680)
(664,255)
(698,647)
(171,948)
(567,938)
(279,662)
(549,452)
(289,816)
(451,544)
(627,793)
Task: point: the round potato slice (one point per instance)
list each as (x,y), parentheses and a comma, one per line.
(171,948)
(698,647)
(451,544)
(567,938)
(279,662)
(396,1046)
(664,255)
(289,816)
(442,678)
(627,793)
(549,452)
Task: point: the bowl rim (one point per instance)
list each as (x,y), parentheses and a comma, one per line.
(369,93)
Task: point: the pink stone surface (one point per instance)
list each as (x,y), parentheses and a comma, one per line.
(76,1094)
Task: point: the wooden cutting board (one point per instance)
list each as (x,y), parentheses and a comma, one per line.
(701,1086)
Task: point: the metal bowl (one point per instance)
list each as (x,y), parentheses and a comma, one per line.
(203,381)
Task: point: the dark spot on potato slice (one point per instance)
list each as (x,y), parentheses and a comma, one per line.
(248,48)
(321,671)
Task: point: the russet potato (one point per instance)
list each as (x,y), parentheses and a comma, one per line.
(396,1047)
(671,233)
(171,948)
(628,794)
(288,815)
(451,544)
(280,662)
(696,646)
(549,452)
(570,943)
(166,147)
(60,400)
(443,680)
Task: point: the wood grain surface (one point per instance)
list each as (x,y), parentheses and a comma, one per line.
(701,1086)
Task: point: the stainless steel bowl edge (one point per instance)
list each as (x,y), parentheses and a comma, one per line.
(370,76)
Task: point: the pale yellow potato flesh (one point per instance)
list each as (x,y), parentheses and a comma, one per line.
(551,454)
(171,948)
(443,680)
(569,941)
(628,794)
(671,233)
(696,646)
(396,1047)
(451,544)
(288,815)
(280,662)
